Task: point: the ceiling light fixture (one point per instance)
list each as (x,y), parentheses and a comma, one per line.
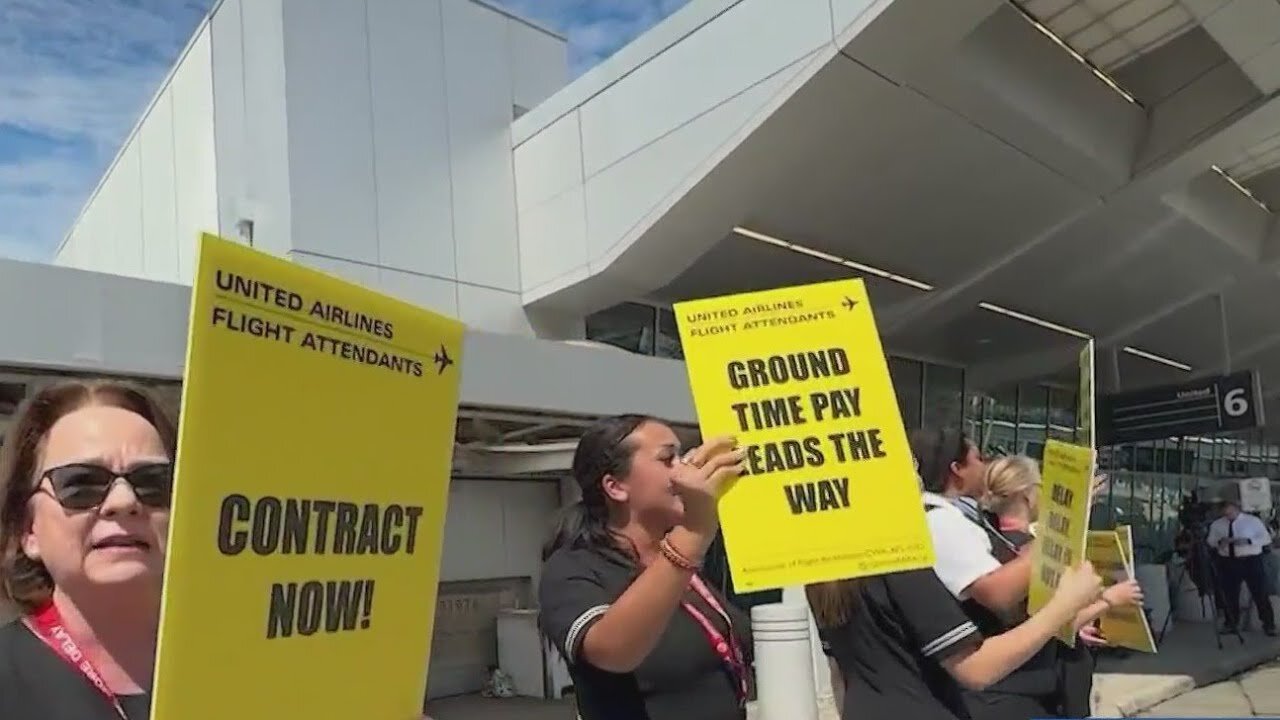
(1157,358)
(1097,72)
(857,266)
(991,307)
(1239,187)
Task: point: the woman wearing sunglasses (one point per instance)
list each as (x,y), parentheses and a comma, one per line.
(85,480)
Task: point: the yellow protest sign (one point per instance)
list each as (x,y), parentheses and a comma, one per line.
(1125,533)
(1125,626)
(1064,522)
(799,376)
(1086,432)
(308,511)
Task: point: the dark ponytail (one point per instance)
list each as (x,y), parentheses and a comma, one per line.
(935,450)
(604,449)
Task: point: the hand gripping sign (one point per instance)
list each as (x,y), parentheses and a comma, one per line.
(798,376)
(308,512)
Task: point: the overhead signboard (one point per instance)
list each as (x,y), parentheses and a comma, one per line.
(1199,407)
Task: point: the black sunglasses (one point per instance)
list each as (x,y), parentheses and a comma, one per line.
(84,486)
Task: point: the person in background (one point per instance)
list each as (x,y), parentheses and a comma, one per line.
(621,598)
(1013,499)
(905,646)
(951,468)
(85,483)
(1239,538)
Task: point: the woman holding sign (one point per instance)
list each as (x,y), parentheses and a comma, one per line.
(644,636)
(905,647)
(85,480)
(1013,500)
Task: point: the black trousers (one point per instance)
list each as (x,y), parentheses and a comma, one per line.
(1007,706)
(1252,573)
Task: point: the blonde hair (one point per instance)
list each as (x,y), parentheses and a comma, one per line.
(1008,479)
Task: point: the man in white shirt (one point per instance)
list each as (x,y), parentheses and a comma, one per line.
(1239,539)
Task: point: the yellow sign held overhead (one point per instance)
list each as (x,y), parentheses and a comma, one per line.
(1125,626)
(308,510)
(1086,431)
(799,377)
(1064,522)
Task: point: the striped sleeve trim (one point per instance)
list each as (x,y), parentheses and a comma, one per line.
(949,638)
(579,628)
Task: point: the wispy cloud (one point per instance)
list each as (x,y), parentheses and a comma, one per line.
(75,76)
(596,28)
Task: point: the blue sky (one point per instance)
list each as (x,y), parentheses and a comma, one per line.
(75,75)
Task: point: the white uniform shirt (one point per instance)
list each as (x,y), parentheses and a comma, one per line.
(1249,533)
(962,549)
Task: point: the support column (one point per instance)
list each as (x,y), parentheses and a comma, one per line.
(784,660)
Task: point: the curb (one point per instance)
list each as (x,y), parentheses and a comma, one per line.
(1171,687)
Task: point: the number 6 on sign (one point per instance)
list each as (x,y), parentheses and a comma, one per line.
(1234,403)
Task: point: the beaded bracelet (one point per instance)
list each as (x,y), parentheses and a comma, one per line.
(674,557)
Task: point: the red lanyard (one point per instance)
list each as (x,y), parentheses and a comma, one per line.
(46,623)
(728,649)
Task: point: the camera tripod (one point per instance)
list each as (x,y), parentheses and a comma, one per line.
(1207,588)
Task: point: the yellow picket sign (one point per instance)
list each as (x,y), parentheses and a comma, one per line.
(1125,533)
(1086,430)
(1126,626)
(1064,522)
(799,377)
(308,511)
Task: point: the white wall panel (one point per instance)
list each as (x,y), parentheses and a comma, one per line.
(549,163)
(620,197)
(846,12)
(428,292)
(553,238)
(159,202)
(263,189)
(364,275)
(495,529)
(197,163)
(331,177)
(539,64)
(694,76)
(528,511)
(478,80)
(227,70)
(411,137)
(123,198)
(473,536)
(493,310)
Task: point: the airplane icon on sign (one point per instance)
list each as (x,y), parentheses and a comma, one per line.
(442,360)
(849,303)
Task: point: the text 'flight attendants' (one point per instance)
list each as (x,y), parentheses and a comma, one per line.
(799,377)
(309,502)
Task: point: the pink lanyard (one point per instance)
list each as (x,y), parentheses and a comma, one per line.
(728,649)
(47,625)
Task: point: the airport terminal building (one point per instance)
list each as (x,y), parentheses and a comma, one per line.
(1011,178)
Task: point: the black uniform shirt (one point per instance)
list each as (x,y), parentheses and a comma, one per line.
(36,684)
(890,652)
(681,679)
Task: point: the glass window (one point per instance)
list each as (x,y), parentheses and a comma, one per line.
(977,414)
(943,397)
(629,326)
(1002,435)
(1062,415)
(907,379)
(1033,416)
(669,336)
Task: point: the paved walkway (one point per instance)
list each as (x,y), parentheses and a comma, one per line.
(1254,694)
(1188,659)
(1138,685)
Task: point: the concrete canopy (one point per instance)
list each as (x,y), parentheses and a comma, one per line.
(960,146)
